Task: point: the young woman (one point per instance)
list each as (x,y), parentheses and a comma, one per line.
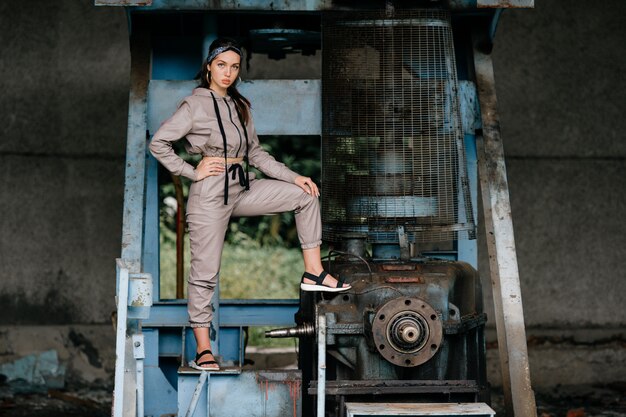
(216,122)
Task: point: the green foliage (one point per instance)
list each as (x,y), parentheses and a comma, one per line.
(248,270)
(251,271)
(167,243)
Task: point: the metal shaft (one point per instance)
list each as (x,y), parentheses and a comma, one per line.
(305,329)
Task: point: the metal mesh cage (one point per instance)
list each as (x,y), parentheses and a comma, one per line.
(392,143)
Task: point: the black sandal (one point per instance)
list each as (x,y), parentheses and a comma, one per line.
(319,283)
(198,365)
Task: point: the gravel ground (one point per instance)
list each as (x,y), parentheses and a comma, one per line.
(87,402)
(576,401)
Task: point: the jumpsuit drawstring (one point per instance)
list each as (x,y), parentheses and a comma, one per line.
(237,171)
(244,180)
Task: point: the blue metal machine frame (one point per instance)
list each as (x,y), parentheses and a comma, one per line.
(153,337)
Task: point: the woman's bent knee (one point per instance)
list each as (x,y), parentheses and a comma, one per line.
(308,202)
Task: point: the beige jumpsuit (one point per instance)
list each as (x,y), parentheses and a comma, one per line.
(207,213)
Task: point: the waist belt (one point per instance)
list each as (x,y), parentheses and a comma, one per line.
(228,161)
(236,169)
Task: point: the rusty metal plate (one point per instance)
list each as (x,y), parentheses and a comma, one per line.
(404,280)
(398,267)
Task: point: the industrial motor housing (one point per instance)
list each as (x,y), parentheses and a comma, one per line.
(406,331)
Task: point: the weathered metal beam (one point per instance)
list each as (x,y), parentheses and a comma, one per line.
(133,216)
(495,281)
(359,387)
(234,313)
(520,399)
(132,223)
(321,364)
(299,5)
(279,107)
(122,347)
(214,5)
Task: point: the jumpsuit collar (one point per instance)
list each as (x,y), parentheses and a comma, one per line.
(201,91)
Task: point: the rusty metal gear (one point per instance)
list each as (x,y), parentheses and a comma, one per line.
(407,331)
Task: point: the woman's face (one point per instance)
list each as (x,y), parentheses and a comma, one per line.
(224,70)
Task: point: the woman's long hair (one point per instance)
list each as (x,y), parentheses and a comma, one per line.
(242,103)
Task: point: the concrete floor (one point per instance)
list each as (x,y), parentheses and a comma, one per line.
(595,399)
(572,401)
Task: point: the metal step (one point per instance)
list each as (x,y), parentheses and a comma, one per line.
(224,370)
(418,409)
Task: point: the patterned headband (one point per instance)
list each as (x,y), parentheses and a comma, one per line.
(219,50)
